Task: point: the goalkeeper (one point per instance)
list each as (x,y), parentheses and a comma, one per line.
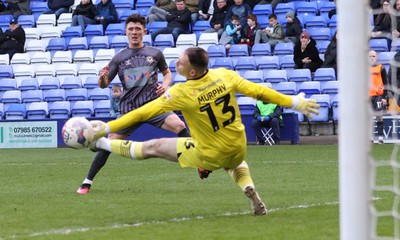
(208,103)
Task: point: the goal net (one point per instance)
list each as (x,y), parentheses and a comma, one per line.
(369,175)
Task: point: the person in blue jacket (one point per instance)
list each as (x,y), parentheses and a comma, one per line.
(106,13)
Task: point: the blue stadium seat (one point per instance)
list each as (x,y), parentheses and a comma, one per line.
(261,49)
(99,94)
(299,75)
(225,62)
(66,70)
(238,50)
(287,62)
(1,111)
(5,20)
(102,108)
(144,4)
(379,44)
(267,62)
(288,88)
(316,21)
(123,4)
(200,26)
(333,21)
(310,88)
(119,42)
(324,74)
(56,44)
(320,33)
(164,40)
(26,21)
(91,82)
(76,94)
(275,76)
(156,25)
(38,7)
(263,21)
(246,105)
(283,48)
(60,110)
(78,43)
(147,40)
(94,30)
(126,13)
(325,105)
(335,107)
(7,84)
(32,96)
(12,96)
(28,84)
(37,110)
(255,76)
(72,31)
(83,109)
(325,6)
(115,29)
(330,87)
(245,63)
(50,83)
(306,8)
(262,10)
(216,51)
(6,71)
(282,8)
(395,46)
(71,82)
(385,58)
(322,46)
(53,95)
(15,111)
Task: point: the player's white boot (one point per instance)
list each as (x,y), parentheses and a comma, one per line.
(256,202)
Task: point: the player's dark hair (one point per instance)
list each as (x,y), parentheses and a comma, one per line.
(198,57)
(136,18)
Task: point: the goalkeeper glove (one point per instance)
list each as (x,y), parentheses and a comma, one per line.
(100,129)
(304,105)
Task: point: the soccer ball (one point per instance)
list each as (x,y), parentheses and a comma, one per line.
(77,132)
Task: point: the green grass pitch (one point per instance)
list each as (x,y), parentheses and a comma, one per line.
(156,199)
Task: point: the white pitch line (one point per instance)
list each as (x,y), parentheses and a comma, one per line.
(66,231)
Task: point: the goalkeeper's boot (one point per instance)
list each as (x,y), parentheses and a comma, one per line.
(84,188)
(256,202)
(203,173)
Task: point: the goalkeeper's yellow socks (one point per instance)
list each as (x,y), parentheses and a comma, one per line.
(241,175)
(126,148)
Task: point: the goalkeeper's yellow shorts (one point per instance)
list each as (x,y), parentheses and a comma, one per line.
(188,156)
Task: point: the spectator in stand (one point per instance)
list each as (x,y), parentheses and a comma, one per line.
(160,10)
(178,22)
(115,99)
(193,6)
(106,13)
(375,6)
(58,7)
(240,9)
(206,9)
(293,28)
(2,7)
(396,32)
(84,14)
(248,33)
(217,21)
(267,115)
(383,22)
(13,40)
(17,8)
(272,34)
(251,3)
(306,54)
(377,92)
(272,2)
(330,54)
(232,33)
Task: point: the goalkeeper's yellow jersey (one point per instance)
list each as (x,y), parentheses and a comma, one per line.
(210,109)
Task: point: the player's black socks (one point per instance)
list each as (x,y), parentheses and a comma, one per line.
(379,126)
(184,133)
(98,162)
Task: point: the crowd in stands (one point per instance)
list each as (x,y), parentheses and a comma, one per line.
(238,22)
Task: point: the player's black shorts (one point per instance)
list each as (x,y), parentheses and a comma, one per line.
(156,121)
